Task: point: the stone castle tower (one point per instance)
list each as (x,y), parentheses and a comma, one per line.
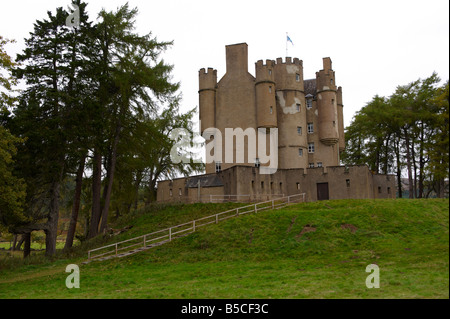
(307,113)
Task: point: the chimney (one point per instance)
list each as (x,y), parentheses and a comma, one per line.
(237,58)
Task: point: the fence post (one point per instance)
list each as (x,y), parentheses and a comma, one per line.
(144,241)
(288,199)
(193,225)
(273,206)
(170,234)
(256,209)
(116,250)
(217,218)
(237,211)
(89,255)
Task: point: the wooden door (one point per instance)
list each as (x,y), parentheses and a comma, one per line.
(322,191)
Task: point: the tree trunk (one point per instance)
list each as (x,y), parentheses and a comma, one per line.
(408,164)
(27,246)
(399,168)
(96,190)
(421,161)
(113,160)
(76,205)
(414,162)
(52,221)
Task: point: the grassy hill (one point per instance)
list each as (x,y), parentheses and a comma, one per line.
(310,250)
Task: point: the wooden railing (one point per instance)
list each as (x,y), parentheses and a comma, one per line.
(166,235)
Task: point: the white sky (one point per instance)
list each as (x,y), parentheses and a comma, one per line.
(374,45)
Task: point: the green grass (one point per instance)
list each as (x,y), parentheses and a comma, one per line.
(267,255)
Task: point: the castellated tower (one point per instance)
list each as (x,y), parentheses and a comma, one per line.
(292,137)
(307,113)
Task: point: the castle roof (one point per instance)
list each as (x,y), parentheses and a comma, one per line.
(210,180)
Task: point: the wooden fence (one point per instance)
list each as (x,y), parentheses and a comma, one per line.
(163,236)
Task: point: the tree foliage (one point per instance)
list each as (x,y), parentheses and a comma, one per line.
(406,131)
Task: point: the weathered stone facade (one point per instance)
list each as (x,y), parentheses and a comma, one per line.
(308,116)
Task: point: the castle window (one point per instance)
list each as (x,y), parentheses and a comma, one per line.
(379,189)
(311,148)
(297,77)
(218,167)
(388,190)
(257,163)
(334,123)
(331,81)
(309,103)
(319,164)
(262,185)
(300,152)
(332,101)
(310,128)
(347,182)
(298,186)
(311,165)
(180,192)
(270,72)
(271,110)
(170,192)
(299,130)
(298,107)
(270,89)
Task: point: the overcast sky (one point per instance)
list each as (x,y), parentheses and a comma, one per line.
(374,45)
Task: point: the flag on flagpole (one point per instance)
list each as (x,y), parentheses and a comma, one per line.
(289,39)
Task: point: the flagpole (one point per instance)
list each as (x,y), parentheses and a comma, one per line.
(286,44)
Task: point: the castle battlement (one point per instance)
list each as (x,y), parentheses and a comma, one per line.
(211,71)
(289,60)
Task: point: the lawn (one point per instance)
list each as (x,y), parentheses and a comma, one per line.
(310,250)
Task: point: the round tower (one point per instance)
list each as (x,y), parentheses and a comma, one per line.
(291,114)
(266,114)
(327,104)
(207,98)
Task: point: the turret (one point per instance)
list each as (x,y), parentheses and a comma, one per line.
(327,104)
(207,97)
(291,113)
(266,114)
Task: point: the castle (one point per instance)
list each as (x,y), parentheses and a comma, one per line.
(298,122)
